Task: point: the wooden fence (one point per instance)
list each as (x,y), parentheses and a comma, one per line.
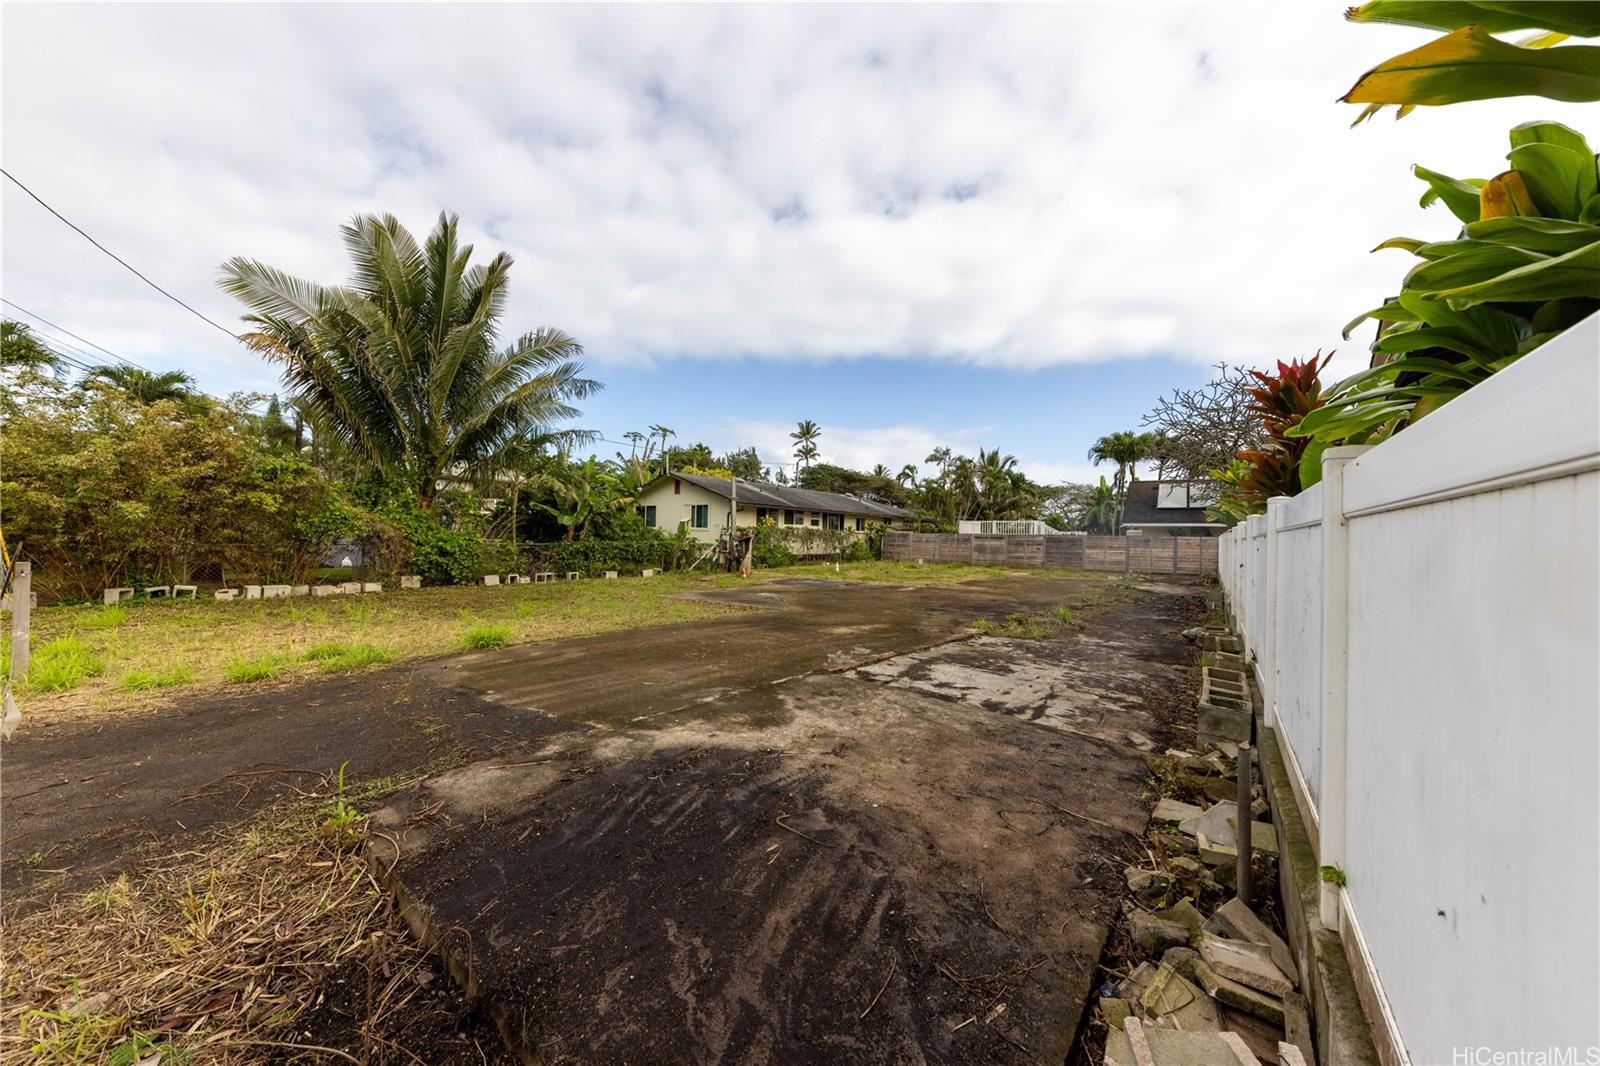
(1161,555)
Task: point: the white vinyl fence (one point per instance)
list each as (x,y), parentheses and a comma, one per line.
(1426,629)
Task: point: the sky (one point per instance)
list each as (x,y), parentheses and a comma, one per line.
(1009,227)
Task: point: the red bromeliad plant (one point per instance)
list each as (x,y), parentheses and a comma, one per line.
(1283,465)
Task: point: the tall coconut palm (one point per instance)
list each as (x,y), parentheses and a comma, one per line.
(142,385)
(23,349)
(907,476)
(805,439)
(1127,449)
(403,362)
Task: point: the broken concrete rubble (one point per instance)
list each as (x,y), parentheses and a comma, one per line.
(1153,934)
(1219,825)
(1247,963)
(1242,924)
(1172,1002)
(1142,1045)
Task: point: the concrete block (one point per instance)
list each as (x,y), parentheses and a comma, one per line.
(1229,993)
(350,588)
(611,573)
(541,576)
(491,580)
(1223,724)
(117,595)
(1153,934)
(1243,924)
(1143,1045)
(1289,1055)
(573,575)
(647,573)
(325,590)
(225,594)
(372,586)
(299,590)
(513,579)
(1219,824)
(1248,964)
(411,581)
(275,592)
(157,592)
(252,592)
(185,592)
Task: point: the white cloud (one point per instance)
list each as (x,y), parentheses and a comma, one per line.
(1015,186)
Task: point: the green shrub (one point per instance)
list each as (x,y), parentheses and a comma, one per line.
(338,658)
(61,664)
(140,680)
(106,616)
(630,546)
(485,637)
(261,668)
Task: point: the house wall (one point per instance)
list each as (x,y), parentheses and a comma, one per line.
(673,508)
(1425,623)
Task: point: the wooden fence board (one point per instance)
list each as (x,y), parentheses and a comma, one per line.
(1157,555)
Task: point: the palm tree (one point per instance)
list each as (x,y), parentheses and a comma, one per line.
(941,456)
(1101,514)
(663,432)
(143,386)
(402,363)
(582,491)
(881,471)
(23,349)
(1127,449)
(805,437)
(907,476)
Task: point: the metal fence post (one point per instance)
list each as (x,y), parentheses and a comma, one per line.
(21,604)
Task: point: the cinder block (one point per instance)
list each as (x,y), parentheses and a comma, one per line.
(156,592)
(513,579)
(299,590)
(275,592)
(573,575)
(411,581)
(225,594)
(491,579)
(647,573)
(325,590)
(186,592)
(372,586)
(252,592)
(611,573)
(350,588)
(542,576)
(117,595)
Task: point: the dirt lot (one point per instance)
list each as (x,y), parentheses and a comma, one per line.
(814,830)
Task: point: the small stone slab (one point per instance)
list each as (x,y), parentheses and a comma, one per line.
(185,592)
(411,581)
(1217,724)
(325,590)
(1219,825)
(299,590)
(1153,934)
(1144,1045)
(1170,1000)
(1171,810)
(491,580)
(275,592)
(1289,1055)
(225,594)
(1248,964)
(372,586)
(350,588)
(1184,913)
(1242,923)
(252,592)
(611,573)
(1188,962)
(647,573)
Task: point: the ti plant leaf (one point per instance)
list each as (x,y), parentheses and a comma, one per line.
(1471,64)
(1461,197)
(1562,16)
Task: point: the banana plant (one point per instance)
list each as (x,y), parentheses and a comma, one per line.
(1524,266)
(1470,63)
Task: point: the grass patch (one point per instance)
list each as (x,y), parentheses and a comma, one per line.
(336,658)
(58,665)
(484,636)
(1025,625)
(87,975)
(1066,615)
(261,668)
(106,616)
(141,680)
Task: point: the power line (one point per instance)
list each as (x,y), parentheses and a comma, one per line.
(74,336)
(115,256)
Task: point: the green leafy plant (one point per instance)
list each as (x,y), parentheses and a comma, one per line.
(60,664)
(1470,63)
(1524,266)
(1331,875)
(484,636)
(260,668)
(142,680)
(343,825)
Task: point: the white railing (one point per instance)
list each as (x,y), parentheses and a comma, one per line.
(1426,631)
(1025,526)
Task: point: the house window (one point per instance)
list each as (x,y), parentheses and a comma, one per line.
(764,513)
(816,519)
(834,521)
(700,515)
(791,518)
(649,510)
(861,524)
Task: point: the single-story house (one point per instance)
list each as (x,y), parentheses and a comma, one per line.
(701,505)
(1170,509)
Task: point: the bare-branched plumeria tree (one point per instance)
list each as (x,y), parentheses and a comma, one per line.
(1202,429)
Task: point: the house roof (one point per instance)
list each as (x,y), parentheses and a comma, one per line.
(1139,509)
(761,494)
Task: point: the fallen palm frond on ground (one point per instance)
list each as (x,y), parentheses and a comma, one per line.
(267,943)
